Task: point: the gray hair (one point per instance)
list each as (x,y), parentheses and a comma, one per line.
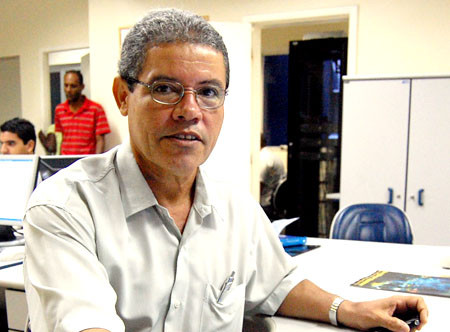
(167,26)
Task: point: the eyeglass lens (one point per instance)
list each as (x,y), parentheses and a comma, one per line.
(208,96)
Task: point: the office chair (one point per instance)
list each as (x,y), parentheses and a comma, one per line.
(372,222)
(279,200)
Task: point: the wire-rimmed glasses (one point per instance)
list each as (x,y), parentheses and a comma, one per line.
(167,92)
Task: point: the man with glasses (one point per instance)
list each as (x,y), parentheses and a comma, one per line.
(140,239)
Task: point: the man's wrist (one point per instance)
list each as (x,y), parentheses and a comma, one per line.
(332,312)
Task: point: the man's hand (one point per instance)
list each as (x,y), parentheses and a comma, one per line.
(308,301)
(48,141)
(382,313)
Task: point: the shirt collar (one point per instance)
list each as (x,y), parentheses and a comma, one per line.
(136,195)
(81,109)
(206,198)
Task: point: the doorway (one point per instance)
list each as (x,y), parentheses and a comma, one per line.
(272,33)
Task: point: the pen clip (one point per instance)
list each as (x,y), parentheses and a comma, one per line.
(226,286)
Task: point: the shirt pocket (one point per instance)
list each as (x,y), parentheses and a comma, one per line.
(226,316)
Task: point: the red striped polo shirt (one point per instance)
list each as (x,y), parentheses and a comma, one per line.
(80,128)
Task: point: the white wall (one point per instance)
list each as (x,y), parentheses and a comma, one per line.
(10,106)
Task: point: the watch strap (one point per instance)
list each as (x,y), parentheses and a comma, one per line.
(332,313)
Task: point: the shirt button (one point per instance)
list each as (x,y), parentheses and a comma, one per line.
(176,305)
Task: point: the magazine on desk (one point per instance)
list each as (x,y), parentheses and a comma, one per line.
(407,283)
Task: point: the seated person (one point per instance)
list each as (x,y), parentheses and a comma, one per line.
(271,174)
(141,239)
(51,141)
(17,136)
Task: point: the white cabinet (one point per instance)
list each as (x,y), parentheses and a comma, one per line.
(396,148)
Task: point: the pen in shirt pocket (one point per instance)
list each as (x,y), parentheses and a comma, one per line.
(226,286)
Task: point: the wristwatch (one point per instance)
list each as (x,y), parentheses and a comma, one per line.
(332,313)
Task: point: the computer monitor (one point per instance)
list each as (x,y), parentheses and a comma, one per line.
(17,178)
(49,165)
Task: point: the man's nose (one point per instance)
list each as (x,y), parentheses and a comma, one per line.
(4,149)
(188,108)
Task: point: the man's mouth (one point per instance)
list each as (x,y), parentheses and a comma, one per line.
(185,137)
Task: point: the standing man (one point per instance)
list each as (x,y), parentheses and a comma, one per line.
(17,136)
(81,121)
(141,239)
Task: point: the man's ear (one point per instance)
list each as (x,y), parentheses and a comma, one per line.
(30,146)
(121,92)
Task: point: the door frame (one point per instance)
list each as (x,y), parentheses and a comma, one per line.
(264,21)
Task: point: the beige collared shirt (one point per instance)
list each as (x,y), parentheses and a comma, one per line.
(101,252)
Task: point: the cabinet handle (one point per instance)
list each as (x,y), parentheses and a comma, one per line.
(391,195)
(420,197)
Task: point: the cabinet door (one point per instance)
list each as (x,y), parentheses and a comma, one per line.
(374,141)
(429,161)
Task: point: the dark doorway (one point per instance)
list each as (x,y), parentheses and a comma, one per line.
(314,132)
(55,92)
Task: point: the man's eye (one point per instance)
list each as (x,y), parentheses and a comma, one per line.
(209,92)
(165,89)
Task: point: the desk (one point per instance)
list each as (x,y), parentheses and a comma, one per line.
(336,265)
(339,263)
(11,281)
(12,277)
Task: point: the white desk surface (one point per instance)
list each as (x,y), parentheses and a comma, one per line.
(339,263)
(12,277)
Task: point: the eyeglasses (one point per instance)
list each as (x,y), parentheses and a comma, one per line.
(171,93)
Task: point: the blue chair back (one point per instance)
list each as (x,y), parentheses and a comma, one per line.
(372,222)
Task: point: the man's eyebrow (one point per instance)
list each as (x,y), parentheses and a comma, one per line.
(215,82)
(163,78)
